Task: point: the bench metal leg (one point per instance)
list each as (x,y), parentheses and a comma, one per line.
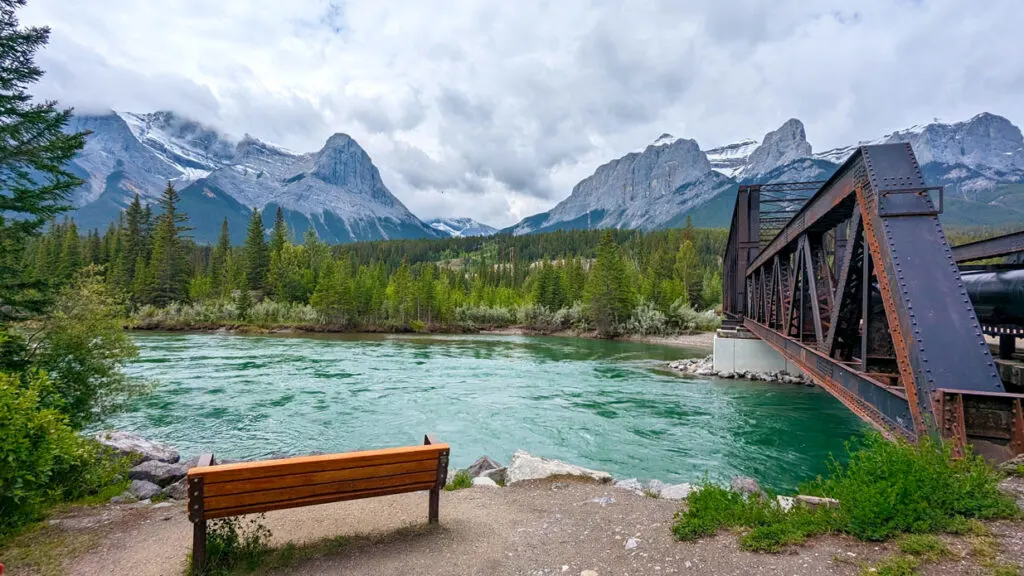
(435,506)
(199,547)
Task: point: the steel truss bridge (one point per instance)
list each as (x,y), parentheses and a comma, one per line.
(853,280)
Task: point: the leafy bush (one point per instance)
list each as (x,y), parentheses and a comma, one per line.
(889,488)
(713,507)
(83,348)
(682,316)
(886,489)
(44,460)
(485,316)
(647,320)
(575,317)
(461,480)
(233,543)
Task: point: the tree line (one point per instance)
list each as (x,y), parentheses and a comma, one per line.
(603,277)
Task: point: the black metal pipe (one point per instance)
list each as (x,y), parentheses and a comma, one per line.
(998,297)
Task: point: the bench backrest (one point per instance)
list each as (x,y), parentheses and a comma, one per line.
(216,491)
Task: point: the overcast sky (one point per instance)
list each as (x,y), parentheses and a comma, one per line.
(495,109)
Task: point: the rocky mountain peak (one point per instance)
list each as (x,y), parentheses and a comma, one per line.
(986,140)
(786,144)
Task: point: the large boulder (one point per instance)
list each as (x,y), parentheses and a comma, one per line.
(178,490)
(485,482)
(631,484)
(137,447)
(746,486)
(143,490)
(676,491)
(814,502)
(482,464)
(1010,466)
(525,466)
(159,473)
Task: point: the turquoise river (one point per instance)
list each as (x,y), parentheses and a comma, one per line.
(603,404)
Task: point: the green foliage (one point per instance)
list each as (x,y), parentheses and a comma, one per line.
(83,348)
(236,543)
(168,269)
(926,546)
(889,488)
(461,480)
(34,150)
(886,489)
(898,565)
(257,258)
(609,292)
(713,507)
(44,460)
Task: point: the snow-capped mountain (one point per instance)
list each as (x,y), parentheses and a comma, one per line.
(980,162)
(640,190)
(336,191)
(461,227)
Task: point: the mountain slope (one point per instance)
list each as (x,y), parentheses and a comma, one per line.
(336,191)
(461,227)
(980,162)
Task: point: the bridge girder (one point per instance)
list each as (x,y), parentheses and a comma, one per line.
(861,290)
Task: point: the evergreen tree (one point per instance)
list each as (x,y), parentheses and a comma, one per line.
(279,235)
(169,267)
(71,253)
(688,270)
(257,260)
(34,150)
(609,295)
(219,279)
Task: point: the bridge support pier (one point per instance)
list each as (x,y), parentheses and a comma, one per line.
(741,351)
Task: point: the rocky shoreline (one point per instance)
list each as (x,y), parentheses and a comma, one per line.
(705,367)
(158,473)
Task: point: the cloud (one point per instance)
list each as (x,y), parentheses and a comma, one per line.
(495,109)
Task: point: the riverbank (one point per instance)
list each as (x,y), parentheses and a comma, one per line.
(693,341)
(546,527)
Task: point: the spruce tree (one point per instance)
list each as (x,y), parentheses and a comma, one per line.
(610,295)
(219,261)
(169,266)
(71,253)
(279,235)
(257,260)
(34,149)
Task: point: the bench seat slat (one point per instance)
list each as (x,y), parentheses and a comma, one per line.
(267,507)
(300,492)
(305,464)
(314,478)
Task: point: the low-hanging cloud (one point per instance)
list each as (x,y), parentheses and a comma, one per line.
(495,109)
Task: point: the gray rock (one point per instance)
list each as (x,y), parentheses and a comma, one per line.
(726,374)
(632,543)
(178,490)
(631,484)
(143,490)
(779,147)
(159,473)
(785,503)
(496,474)
(484,482)
(1010,466)
(124,498)
(603,500)
(655,487)
(745,485)
(162,505)
(525,466)
(676,491)
(140,449)
(482,464)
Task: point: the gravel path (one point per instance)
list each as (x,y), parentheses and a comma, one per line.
(538,528)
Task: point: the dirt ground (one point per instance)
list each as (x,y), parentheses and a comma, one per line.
(539,528)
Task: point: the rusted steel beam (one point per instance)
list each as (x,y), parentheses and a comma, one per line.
(884,407)
(991,248)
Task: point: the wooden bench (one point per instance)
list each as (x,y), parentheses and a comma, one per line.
(218,491)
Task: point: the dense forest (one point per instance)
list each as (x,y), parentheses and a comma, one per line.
(611,281)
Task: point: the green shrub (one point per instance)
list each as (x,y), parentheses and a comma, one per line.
(772,528)
(236,543)
(44,460)
(926,546)
(898,565)
(888,488)
(461,480)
